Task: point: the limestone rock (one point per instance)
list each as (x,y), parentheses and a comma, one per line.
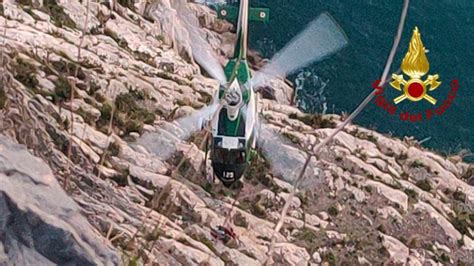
(398,251)
(41,224)
(361,184)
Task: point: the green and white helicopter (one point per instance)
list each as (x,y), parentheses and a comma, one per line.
(233,116)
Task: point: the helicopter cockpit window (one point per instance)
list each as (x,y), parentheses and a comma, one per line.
(226,156)
(226,128)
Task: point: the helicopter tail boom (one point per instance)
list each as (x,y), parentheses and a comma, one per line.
(230,13)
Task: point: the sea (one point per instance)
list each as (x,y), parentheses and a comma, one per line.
(340,82)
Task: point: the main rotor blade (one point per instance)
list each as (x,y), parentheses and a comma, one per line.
(321,38)
(286,161)
(164,141)
(202,50)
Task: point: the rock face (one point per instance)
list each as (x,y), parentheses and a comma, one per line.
(40,224)
(80,84)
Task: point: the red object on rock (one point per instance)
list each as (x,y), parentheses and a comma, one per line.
(224,234)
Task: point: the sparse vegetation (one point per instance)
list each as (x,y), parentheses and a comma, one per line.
(88,118)
(468,174)
(363,135)
(59,17)
(130,115)
(402,156)
(302,195)
(405,175)
(3,98)
(62,90)
(372,138)
(208,244)
(258,172)
(381,228)
(306,235)
(206,97)
(462,222)
(31,13)
(258,210)
(121,42)
(291,137)
(208,188)
(368,189)
(255,208)
(93,88)
(417,164)
(127,3)
(114,149)
(183,241)
(240,220)
(333,211)
(122,177)
(25,73)
(24,2)
(330,258)
(68,68)
(444,258)
(424,184)
(188,102)
(412,195)
(314,120)
(414,242)
(459,195)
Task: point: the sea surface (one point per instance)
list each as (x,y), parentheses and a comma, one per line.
(342,81)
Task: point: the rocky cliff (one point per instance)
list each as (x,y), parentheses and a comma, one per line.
(80,82)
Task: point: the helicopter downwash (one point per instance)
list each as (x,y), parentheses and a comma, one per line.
(233,116)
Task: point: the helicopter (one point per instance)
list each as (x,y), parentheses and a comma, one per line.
(232,118)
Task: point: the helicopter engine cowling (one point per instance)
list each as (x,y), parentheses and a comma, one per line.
(234,101)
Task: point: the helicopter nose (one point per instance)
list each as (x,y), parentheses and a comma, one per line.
(228,174)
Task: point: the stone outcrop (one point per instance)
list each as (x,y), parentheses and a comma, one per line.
(40,223)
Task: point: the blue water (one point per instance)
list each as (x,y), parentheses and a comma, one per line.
(447,29)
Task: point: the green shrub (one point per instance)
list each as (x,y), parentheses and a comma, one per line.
(25,73)
(330,258)
(306,235)
(133,126)
(114,149)
(68,68)
(127,3)
(240,220)
(62,90)
(31,13)
(424,184)
(129,116)
(412,195)
(333,211)
(468,174)
(88,118)
(459,195)
(3,98)
(417,164)
(372,138)
(314,120)
(462,224)
(25,2)
(59,17)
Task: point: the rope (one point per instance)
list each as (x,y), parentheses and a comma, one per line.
(328,139)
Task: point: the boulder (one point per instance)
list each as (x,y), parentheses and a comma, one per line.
(39,222)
